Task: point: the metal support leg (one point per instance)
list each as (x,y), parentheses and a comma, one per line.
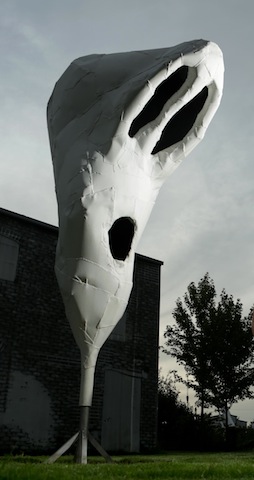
(62,449)
(82,438)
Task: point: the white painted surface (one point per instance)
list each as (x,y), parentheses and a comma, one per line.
(103,173)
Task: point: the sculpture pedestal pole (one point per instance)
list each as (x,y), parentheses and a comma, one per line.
(83,436)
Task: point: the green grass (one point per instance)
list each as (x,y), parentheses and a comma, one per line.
(175,466)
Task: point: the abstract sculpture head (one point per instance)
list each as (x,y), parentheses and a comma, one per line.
(119,125)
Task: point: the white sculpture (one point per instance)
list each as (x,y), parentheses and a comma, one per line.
(119,124)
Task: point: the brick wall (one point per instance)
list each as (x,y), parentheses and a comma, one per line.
(39,360)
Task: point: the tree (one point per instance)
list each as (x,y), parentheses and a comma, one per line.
(214,344)
(177,427)
(188,339)
(231,365)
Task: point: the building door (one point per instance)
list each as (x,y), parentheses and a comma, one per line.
(121,412)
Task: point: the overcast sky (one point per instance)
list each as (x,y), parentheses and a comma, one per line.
(204,216)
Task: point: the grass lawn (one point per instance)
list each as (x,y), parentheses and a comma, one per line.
(173,466)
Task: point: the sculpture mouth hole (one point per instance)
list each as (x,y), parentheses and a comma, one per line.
(120,237)
(161,95)
(182,122)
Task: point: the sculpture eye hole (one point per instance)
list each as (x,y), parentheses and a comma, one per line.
(120,237)
(182,122)
(161,95)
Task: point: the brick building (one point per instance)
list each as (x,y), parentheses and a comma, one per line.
(40,362)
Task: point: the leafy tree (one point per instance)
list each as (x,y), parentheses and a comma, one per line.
(214,344)
(188,339)
(231,356)
(177,426)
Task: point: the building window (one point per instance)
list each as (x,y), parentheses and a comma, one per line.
(9,251)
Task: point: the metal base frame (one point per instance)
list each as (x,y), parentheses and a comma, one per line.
(82,436)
